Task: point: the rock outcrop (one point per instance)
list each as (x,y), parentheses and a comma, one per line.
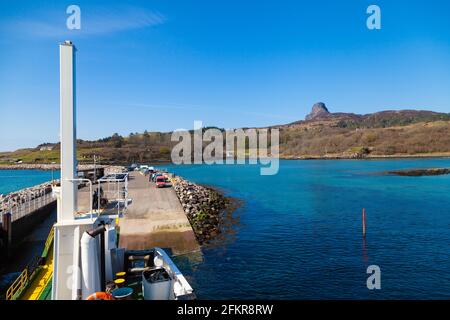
(319,110)
(420,172)
(203,207)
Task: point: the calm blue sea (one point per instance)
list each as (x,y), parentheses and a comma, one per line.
(297,235)
(13,180)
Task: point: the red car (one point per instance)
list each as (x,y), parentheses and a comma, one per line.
(160,182)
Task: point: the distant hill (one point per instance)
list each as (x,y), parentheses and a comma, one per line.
(385,133)
(383,119)
(322,134)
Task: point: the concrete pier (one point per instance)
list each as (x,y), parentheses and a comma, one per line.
(155,218)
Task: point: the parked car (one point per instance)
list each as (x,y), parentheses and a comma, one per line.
(132,167)
(161,181)
(156,175)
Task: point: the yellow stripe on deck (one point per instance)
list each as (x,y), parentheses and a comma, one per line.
(40,280)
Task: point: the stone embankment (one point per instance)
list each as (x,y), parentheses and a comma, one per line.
(55,166)
(203,207)
(16,198)
(113,169)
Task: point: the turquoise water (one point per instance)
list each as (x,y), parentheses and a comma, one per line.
(298,234)
(13,180)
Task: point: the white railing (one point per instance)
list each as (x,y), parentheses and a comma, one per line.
(30,205)
(90,194)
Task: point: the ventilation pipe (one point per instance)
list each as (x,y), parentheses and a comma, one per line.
(93,274)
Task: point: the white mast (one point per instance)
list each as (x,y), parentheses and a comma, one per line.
(68,132)
(67,274)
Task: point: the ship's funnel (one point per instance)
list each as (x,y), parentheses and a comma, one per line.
(68,134)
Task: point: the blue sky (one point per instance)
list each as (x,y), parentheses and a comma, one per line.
(160,65)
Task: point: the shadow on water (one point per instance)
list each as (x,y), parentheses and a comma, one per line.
(229,219)
(229,227)
(230,223)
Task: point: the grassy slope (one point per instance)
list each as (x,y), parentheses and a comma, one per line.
(320,139)
(385,134)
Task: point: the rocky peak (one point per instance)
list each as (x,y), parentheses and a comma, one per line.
(318,110)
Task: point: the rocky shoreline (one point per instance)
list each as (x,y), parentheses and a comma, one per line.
(368,157)
(420,172)
(203,207)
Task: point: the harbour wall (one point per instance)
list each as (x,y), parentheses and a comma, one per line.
(22,227)
(14,232)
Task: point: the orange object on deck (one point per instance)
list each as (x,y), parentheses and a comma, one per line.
(100,296)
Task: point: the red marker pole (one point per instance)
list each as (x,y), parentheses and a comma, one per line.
(364,221)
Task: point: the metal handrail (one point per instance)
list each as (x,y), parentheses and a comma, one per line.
(90,192)
(22,280)
(17,285)
(49,240)
(124,192)
(20,210)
